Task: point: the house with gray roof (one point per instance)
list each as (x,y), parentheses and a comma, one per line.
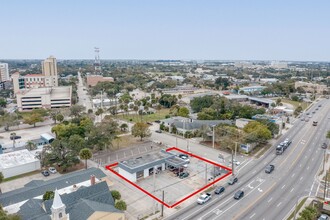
(184,125)
(83,189)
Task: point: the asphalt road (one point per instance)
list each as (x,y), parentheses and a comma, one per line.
(273,196)
(84,98)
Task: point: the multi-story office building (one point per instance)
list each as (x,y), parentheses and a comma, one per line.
(48,78)
(4,72)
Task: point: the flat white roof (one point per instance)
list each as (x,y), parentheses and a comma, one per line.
(54,92)
(16,158)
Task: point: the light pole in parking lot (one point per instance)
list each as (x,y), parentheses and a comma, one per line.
(213,137)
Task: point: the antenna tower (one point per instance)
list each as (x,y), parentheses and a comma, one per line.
(97,63)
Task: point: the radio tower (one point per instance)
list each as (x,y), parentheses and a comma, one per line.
(97,63)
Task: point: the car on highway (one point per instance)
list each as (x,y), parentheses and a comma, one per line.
(219,190)
(270,168)
(317,109)
(158,131)
(157,121)
(204,198)
(306,120)
(239,194)
(15,137)
(324,146)
(52,170)
(310,116)
(232,180)
(320,105)
(183,175)
(302,119)
(313,112)
(45,173)
(307,113)
(324,217)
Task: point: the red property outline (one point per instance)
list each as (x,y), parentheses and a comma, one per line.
(111,166)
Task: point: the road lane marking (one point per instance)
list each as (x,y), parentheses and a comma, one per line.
(293,175)
(292,189)
(308,168)
(253,203)
(252,215)
(300,165)
(283,186)
(270,200)
(279,204)
(301,178)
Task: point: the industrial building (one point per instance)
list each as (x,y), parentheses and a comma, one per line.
(18,162)
(138,168)
(52,97)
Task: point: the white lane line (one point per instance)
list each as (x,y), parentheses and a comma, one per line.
(241,167)
(293,175)
(283,186)
(313,159)
(279,204)
(301,178)
(317,189)
(217,217)
(300,165)
(308,168)
(310,192)
(292,189)
(252,215)
(270,200)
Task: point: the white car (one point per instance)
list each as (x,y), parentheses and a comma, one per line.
(52,170)
(204,198)
(237,163)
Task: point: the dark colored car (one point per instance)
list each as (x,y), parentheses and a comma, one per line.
(157,121)
(239,194)
(270,168)
(219,190)
(324,146)
(178,171)
(45,173)
(149,123)
(15,137)
(232,181)
(184,175)
(158,131)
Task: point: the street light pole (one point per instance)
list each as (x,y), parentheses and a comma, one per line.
(232,162)
(213,137)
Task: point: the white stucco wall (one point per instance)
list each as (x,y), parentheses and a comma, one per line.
(127,175)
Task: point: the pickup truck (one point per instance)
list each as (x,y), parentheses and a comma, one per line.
(204,198)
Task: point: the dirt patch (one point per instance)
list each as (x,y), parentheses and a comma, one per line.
(124,142)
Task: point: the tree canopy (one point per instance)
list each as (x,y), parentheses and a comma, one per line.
(141,130)
(256,132)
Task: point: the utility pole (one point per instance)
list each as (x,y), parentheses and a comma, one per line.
(205,173)
(325,184)
(325,150)
(187,145)
(162,205)
(154,183)
(213,137)
(232,162)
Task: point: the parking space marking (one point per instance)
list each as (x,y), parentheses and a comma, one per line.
(270,199)
(293,175)
(279,204)
(282,186)
(252,215)
(292,189)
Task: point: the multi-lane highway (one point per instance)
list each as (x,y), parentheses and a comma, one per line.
(273,196)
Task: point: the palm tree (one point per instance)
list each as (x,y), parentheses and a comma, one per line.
(85,154)
(30,145)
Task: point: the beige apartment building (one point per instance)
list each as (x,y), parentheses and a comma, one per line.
(311,87)
(4,72)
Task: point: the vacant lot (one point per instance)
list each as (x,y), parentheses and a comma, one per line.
(159,115)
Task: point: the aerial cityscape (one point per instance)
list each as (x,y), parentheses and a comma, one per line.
(173,110)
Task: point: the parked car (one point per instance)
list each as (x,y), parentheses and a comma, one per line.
(237,163)
(324,217)
(306,120)
(302,119)
(204,198)
(52,170)
(157,121)
(45,173)
(149,123)
(239,194)
(270,168)
(183,175)
(158,131)
(184,157)
(232,180)
(15,137)
(219,190)
(178,171)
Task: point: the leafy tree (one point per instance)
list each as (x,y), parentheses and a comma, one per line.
(43,112)
(115,194)
(33,119)
(121,205)
(48,195)
(167,100)
(53,115)
(59,117)
(141,130)
(31,145)
(99,111)
(123,127)
(273,127)
(85,154)
(278,101)
(8,120)
(90,111)
(297,111)
(3,102)
(76,110)
(328,135)
(257,132)
(183,112)
(1,179)
(198,103)
(223,82)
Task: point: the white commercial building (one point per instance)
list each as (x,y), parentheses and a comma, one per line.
(144,166)
(55,97)
(4,72)
(17,163)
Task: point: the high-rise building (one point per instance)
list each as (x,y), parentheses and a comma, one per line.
(49,70)
(4,72)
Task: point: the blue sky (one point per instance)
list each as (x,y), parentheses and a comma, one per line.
(166,29)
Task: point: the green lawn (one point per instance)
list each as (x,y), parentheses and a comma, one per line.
(304,105)
(159,115)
